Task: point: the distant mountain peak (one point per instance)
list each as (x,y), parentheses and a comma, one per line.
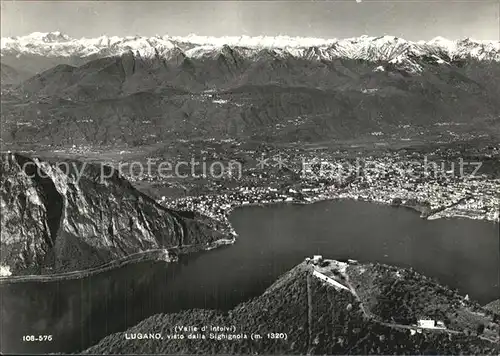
(386,47)
(45,37)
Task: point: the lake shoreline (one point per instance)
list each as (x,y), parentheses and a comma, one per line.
(164,254)
(270,242)
(220,206)
(424,213)
(168,255)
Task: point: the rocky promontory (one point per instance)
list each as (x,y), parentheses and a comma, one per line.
(68,216)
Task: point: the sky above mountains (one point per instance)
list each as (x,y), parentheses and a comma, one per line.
(412,20)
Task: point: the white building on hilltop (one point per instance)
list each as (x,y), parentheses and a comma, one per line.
(317,259)
(314,260)
(430,324)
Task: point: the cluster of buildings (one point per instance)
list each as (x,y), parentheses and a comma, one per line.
(427,324)
(218,206)
(409,178)
(444,189)
(430,324)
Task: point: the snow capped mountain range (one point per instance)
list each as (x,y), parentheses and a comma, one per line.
(384,48)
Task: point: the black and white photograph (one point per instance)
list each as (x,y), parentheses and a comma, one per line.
(275,177)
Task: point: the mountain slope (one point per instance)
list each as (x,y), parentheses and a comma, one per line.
(494,306)
(288,100)
(281,89)
(317,318)
(11,76)
(76,215)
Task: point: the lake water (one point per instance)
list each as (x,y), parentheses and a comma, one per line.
(462,254)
